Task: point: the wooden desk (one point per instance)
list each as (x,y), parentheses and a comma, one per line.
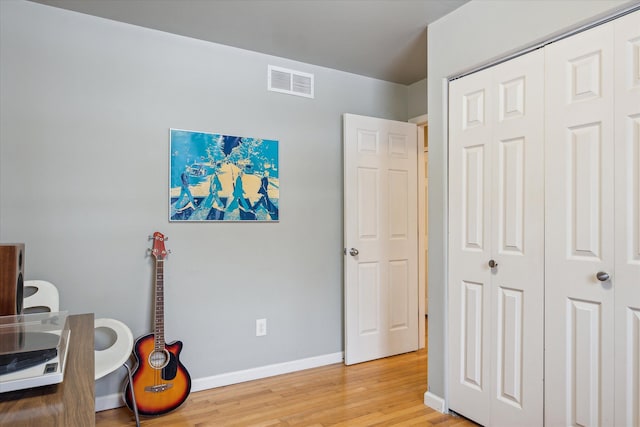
(67,404)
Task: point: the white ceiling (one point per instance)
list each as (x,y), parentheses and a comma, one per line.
(384,39)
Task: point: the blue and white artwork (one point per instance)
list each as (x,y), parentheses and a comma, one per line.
(217,177)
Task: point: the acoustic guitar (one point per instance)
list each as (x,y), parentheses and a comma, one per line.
(161,383)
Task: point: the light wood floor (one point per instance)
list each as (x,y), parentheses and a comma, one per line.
(384,392)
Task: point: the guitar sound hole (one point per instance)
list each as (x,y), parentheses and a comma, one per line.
(159,359)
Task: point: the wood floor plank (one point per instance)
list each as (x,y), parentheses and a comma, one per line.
(385,392)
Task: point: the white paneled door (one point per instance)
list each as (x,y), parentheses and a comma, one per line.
(593,227)
(579,304)
(496,244)
(469,246)
(548,242)
(380,238)
(627,220)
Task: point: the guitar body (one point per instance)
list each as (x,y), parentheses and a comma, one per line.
(161,383)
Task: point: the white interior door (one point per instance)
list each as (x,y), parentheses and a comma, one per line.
(496,218)
(579,160)
(627,220)
(470,138)
(380,237)
(517,233)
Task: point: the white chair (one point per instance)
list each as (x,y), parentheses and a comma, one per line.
(116,355)
(45,297)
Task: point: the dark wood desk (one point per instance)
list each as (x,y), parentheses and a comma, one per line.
(67,404)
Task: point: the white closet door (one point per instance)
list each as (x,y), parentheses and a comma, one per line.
(469,244)
(496,205)
(626,281)
(579,162)
(517,235)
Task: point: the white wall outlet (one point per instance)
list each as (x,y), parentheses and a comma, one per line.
(261,327)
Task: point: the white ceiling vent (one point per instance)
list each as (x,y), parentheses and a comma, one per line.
(288,81)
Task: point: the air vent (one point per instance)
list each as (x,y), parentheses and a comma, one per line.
(288,81)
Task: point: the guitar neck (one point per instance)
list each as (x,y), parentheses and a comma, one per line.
(158,319)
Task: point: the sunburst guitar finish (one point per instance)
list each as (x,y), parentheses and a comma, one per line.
(159,389)
(160,382)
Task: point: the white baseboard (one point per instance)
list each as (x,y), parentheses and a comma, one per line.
(115,400)
(265,371)
(109,401)
(434,402)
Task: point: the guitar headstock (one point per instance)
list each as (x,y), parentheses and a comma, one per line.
(159,252)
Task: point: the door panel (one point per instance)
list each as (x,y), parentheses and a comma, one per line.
(583,360)
(474,201)
(472,335)
(584,197)
(399,302)
(627,199)
(398,202)
(381,278)
(368,298)
(517,224)
(579,230)
(496,213)
(511,195)
(469,246)
(510,319)
(368,188)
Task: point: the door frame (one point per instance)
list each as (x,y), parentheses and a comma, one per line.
(421,121)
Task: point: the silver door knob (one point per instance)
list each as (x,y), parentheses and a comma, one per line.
(353,252)
(492,264)
(602,276)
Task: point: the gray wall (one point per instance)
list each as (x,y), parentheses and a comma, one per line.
(475,33)
(417,99)
(85,110)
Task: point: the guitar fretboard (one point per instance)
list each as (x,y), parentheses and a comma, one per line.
(159,307)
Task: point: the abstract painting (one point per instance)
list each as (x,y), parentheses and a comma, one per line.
(217,177)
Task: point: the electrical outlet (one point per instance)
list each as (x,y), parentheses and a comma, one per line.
(261,327)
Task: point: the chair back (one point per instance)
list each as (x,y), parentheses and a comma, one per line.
(113,357)
(45,298)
